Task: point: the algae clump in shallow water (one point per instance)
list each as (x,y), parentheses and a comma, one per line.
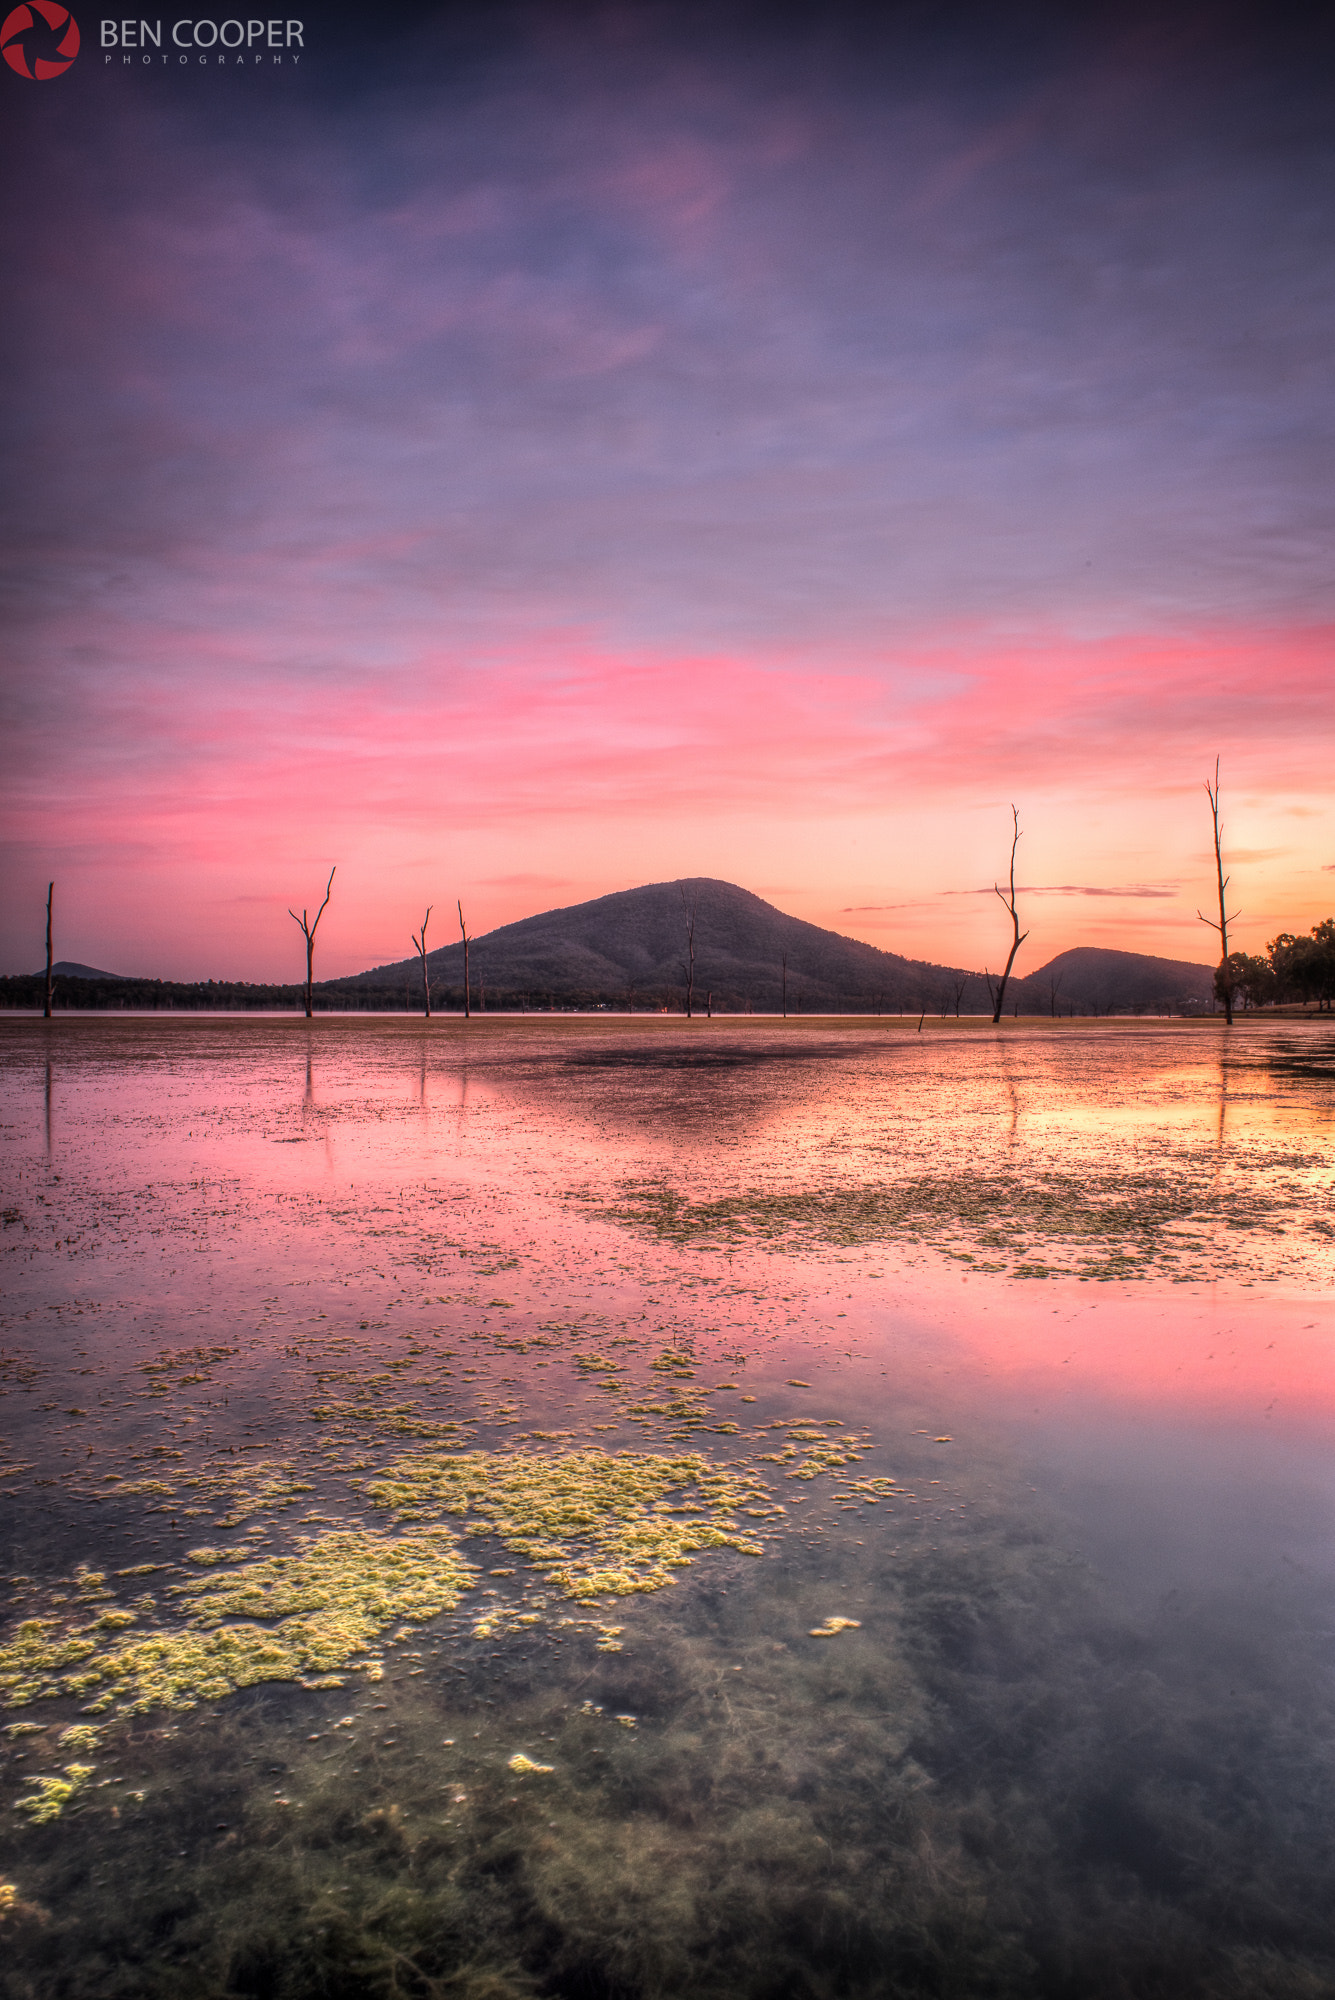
(594,1523)
(51,1796)
(328,1602)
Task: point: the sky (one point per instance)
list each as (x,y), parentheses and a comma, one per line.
(513,453)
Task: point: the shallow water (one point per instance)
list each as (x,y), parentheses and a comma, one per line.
(609,1508)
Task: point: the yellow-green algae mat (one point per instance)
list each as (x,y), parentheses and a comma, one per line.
(591,1523)
(594,1523)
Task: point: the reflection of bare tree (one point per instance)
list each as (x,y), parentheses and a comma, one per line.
(308,1102)
(1014,1096)
(48,1107)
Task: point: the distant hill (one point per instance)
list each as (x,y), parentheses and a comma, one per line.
(69,968)
(632,946)
(1089,979)
(629,950)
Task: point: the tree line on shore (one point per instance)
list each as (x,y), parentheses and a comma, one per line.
(1293,969)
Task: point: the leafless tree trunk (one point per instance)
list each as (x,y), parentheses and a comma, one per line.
(420,942)
(958,986)
(1225,984)
(688,914)
(1020,935)
(783,962)
(308,931)
(50,891)
(709,1004)
(463,930)
(1054,988)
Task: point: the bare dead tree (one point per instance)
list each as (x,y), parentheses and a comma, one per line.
(688,917)
(1020,936)
(463,931)
(1054,988)
(420,942)
(50,891)
(308,931)
(1222,978)
(709,1004)
(783,963)
(958,983)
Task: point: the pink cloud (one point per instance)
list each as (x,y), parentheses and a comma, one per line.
(209,757)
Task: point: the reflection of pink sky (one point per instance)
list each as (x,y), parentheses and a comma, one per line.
(1265,1358)
(866,790)
(270,1187)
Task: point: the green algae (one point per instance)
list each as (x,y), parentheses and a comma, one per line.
(80,1736)
(1173,1215)
(593,1523)
(323,1607)
(50,1796)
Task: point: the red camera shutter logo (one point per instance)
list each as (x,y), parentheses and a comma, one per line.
(39,40)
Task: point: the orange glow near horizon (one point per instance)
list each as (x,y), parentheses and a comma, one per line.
(869,794)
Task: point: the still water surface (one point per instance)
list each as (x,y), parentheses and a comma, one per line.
(645,1509)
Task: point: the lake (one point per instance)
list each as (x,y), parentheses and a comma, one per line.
(627,1508)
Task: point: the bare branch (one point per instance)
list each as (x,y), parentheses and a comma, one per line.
(308,931)
(1019,937)
(463,931)
(420,944)
(1221,927)
(50,892)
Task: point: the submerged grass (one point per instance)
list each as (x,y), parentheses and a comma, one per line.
(966,1796)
